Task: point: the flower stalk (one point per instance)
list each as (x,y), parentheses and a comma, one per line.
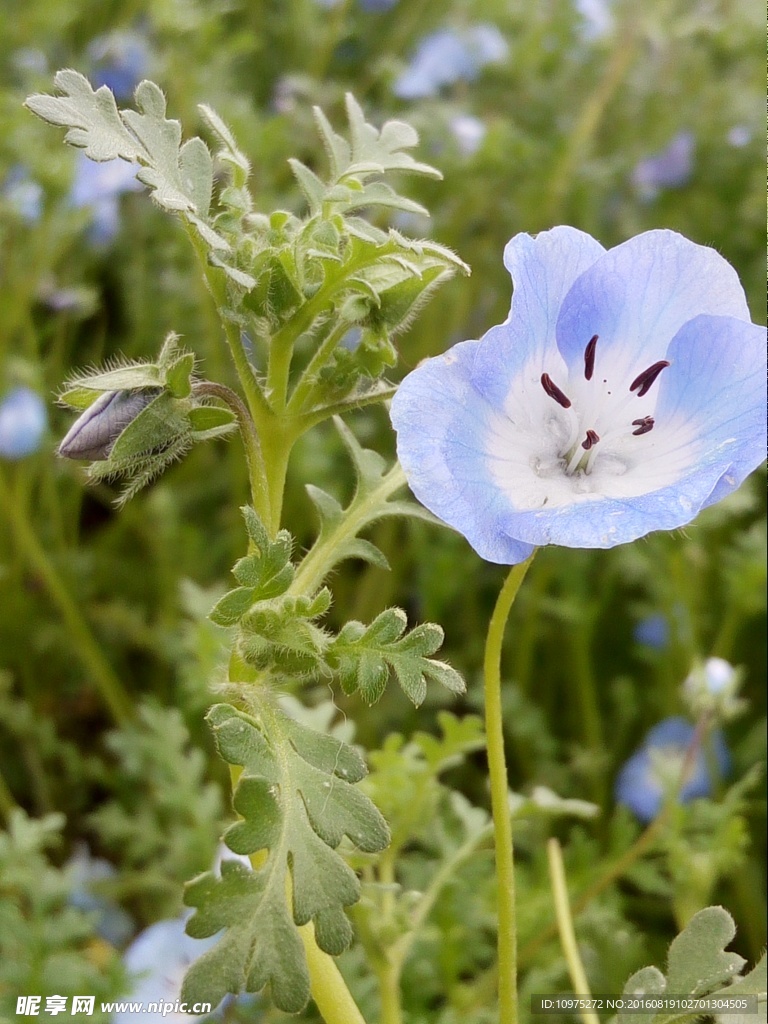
(497,770)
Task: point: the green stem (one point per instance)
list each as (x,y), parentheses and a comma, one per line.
(565,927)
(377,394)
(388,975)
(104,678)
(502,821)
(320,557)
(329,990)
(251,443)
(304,390)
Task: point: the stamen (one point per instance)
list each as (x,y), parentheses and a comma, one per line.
(644,425)
(554,391)
(590,440)
(644,380)
(589,357)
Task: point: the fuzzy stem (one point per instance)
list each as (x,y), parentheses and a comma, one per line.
(305,389)
(250,438)
(99,669)
(497,768)
(329,990)
(565,927)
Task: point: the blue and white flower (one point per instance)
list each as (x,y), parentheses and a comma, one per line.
(624,393)
(23,423)
(448,56)
(654,771)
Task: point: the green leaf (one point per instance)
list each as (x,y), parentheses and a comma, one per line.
(697,962)
(263,575)
(363,657)
(180,176)
(297,801)
(698,965)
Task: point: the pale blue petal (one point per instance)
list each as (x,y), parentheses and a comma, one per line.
(717,380)
(543,270)
(637,297)
(441,423)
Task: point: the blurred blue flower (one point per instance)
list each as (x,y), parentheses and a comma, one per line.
(671,168)
(597,18)
(85,872)
(448,56)
(120,61)
(159,957)
(22,194)
(469,132)
(654,770)
(739,136)
(653,631)
(375,6)
(98,186)
(552,429)
(23,422)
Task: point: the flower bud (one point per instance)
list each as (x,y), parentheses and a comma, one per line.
(93,434)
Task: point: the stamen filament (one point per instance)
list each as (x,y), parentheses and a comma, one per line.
(643,381)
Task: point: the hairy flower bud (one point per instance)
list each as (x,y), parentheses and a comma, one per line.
(93,434)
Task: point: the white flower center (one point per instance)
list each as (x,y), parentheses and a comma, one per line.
(587,440)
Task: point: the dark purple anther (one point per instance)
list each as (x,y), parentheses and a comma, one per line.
(554,391)
(644,380)
(589,357)
(590,440)
(644,425)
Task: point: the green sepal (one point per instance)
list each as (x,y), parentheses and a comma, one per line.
(178,375)
(208,418)
(82,389)
(155,427)
(297,804)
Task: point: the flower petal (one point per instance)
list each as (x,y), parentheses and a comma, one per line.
(543,270)
(717,382)
(637,297)
(441,423)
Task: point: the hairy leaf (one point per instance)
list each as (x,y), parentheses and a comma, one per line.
(698,965)
(297,800)
(363,657)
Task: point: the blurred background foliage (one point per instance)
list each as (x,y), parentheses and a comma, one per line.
(614,117)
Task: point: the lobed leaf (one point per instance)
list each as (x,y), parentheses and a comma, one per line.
(297,801)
